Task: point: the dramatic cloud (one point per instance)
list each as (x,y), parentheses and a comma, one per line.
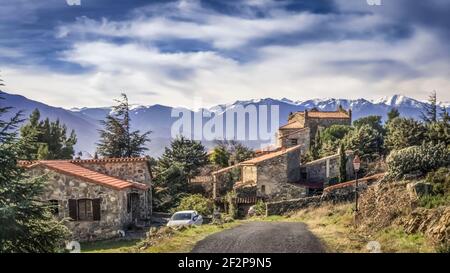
(189,52)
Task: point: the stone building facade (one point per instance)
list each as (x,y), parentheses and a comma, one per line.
(302,126)
(325,171)
(95,204)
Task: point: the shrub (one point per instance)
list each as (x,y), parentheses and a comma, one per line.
(417,160)
(260,208)
(202,205)
(440,179)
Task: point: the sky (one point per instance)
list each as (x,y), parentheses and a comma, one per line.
(192,52)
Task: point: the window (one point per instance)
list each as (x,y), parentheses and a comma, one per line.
(263,189)
(304,175)
(84,209)
(293,141)
(54,207)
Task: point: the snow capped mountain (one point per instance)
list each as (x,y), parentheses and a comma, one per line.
(158,118)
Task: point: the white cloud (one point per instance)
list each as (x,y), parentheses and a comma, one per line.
(368,67)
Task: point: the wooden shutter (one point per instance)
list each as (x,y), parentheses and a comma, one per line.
(73,213)
(96,209)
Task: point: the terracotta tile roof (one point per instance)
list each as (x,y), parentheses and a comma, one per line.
(110,160)
(351,183)
(292,125)
(69,168)
(326,115)
(262,158)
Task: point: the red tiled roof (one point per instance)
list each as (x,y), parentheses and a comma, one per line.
(259,159)
(325,115)
(110,160)
(351,183)
(292,125)
(69,168)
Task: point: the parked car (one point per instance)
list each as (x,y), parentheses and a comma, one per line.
(185,218)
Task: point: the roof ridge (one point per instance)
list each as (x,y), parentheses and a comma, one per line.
(69,168)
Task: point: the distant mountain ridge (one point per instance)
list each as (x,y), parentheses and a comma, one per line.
(158,119)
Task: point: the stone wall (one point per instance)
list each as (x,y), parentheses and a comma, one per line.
(322,123)
(136,171)
(113,207)
(326,170)
(302,136)
(275,174)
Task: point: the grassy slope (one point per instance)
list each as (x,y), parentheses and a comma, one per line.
(181,241)
(334,225)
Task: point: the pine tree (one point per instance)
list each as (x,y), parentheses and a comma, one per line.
(404,132)
(46,139)
(342,164)
(26,224)
(392,114)
(220,156)
(117,139)
(430,112)
(190,155)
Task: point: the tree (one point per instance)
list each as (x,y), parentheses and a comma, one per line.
(45,139)
(342,164)
(170,185)
(366,141)
(392,114)
(237,151)
(26,223)
(404,132)
(331,138)
(316,146)
(117,139)
(430,112)
(189,155)
(220,156)
(438,132)
(372,121)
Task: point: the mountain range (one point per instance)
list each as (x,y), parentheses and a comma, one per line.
(157,118)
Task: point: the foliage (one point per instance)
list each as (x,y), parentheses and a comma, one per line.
(430,111)
(392,114)
(331,138)
(170,185)
(202,205)
(189,155)
(366,141)
(260,208)
(438,132)
(220,157)
(45,140)
(372,121)
(232,208)
(316,146)
(417,160)
(342,164)
(117,139)
(440,179)
(403,133)
(433,201)
(26,224)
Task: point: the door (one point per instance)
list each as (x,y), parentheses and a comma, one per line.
(133,206)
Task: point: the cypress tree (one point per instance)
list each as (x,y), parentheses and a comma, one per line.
(342,164)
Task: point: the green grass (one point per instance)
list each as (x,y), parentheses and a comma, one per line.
(434,201)
(112,246)
(394,239)
(178,242)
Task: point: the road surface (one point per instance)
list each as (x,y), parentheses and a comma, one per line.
(262,237)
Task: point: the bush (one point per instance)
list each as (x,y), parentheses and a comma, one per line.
(417,160)
(440,179)
(197,202)
(260,208)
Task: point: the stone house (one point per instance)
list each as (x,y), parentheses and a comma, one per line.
(279,174)
(98,197)
(302,126)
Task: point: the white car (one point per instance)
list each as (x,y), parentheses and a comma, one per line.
(185,218)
